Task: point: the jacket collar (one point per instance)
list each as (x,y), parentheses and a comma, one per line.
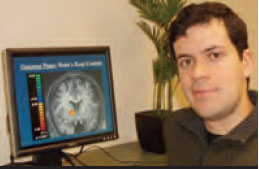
(246,129)
(238,136)
(193,123)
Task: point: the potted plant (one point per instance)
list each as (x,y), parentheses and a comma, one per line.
(156,18)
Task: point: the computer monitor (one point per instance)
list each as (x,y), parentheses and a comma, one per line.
(59,97)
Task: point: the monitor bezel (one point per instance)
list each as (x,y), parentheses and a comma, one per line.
(13,123)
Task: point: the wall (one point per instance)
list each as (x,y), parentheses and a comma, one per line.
(57,23)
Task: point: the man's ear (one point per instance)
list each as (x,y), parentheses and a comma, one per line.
(248,62)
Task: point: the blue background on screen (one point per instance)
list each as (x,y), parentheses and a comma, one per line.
(22,97)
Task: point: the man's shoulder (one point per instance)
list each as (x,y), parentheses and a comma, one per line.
(180,116)
(180,121)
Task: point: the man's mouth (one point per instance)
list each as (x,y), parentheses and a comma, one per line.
(201,93)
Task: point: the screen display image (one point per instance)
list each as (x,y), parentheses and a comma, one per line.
(73,103)
(60,96)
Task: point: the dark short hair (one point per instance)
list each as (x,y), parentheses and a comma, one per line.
(203,13)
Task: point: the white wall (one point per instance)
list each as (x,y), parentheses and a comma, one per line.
(57,23)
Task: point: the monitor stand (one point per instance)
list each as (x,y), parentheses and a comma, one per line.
(48,158)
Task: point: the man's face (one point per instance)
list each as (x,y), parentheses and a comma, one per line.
(211,73)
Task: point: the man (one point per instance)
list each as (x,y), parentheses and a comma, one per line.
(209,42)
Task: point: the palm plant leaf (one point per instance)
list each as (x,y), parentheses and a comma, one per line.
(154,33)
(148,9)
(171,8)
(159,12)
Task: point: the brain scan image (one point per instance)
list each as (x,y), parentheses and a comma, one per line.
(74,104)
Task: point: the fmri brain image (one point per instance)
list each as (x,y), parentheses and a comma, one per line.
(74,102)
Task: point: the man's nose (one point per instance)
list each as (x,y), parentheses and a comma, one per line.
(200,71)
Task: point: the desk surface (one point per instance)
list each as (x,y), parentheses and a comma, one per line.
(130,154)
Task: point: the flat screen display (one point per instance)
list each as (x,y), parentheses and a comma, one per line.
(59,96)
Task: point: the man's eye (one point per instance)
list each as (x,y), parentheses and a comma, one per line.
(185,63)
(214,56)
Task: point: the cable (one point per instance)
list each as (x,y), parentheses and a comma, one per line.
(67,158)
(80,162)
(77,154)
(109,155)
(120,161)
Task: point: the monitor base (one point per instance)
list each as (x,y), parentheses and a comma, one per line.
(48,158)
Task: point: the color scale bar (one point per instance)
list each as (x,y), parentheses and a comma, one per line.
(42,117)
(40,103)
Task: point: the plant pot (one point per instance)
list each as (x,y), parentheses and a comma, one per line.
(150,132)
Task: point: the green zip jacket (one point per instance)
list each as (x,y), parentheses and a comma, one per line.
(186,141)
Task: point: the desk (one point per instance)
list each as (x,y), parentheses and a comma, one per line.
(130,152)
